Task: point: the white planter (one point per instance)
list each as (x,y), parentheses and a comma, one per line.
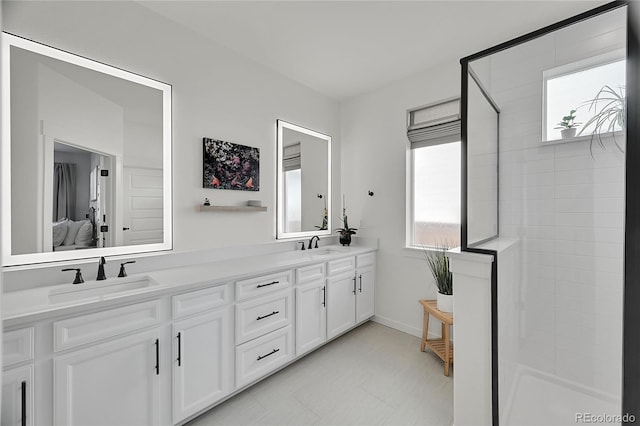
(568,133)
(445,302)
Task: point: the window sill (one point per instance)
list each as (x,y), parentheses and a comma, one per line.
(607,135)
(417,252)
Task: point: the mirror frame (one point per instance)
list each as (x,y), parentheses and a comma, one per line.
(9,259)
(280,233)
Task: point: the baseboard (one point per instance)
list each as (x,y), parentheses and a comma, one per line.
(405,328)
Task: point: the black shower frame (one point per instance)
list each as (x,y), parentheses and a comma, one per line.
(631,312)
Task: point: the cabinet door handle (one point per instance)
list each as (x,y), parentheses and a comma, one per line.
(267,284)
(270,353)
(157,357)
(23,409)
(360,283)
(354,285)
(268,315)
(324,296)
(179,336)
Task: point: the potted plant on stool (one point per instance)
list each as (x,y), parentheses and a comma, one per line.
(439,265)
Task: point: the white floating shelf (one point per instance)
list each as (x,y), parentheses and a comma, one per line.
(233,208)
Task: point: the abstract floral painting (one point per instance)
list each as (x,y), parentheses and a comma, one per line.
(228,165)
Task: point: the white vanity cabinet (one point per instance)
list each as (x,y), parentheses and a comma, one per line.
(164,356)
(311,308)
(263,326)
(18,378)
(115,381)
(365,277)
(202,357)
(350,292)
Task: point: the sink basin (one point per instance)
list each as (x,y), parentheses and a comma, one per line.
(324,252)
(111,287)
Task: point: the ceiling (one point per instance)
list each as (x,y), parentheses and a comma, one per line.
(346,48)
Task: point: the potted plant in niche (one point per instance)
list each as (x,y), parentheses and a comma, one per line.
(610,108)
(438,262)
(568,125)
(345,232)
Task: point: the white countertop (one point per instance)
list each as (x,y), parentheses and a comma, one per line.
(35,304)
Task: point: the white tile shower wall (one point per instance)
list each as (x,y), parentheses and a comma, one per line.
(567,207)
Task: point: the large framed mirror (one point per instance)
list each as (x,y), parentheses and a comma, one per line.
(304,182)
(85,155)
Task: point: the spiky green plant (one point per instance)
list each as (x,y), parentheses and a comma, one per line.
(610,109)
(439,265)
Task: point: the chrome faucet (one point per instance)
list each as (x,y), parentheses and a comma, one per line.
(101,275)
(311,240)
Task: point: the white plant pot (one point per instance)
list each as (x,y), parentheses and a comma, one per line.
(568,133)
(444,302)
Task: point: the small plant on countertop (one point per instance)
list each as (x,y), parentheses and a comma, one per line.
(345,231)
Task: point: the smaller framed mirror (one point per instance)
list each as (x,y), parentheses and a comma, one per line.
(304,182)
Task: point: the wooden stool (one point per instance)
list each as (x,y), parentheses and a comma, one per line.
(442,347)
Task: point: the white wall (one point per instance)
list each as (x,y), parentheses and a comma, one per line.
(374,152)
(216,94)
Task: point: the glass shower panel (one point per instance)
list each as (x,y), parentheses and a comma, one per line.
(561,230)
(482,162)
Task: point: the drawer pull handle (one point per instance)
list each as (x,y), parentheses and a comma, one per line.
(267,284)
(23,410)
(270,353)
(268,315)
(324,296)
(157,357)
(354,285)
(179,336)
(360,283)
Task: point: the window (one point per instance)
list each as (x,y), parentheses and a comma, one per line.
(433,196)
(572,86)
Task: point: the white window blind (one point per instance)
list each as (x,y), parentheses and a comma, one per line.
(291,157)
(434,124)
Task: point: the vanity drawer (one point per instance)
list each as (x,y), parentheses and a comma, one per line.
(261,316)
(262,285)
(341,265)
(17,346)
(200,300)
(310,273)
(261,356)
(73,332)
(365,259)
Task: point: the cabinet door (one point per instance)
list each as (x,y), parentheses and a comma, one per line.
(311,316)
(365,302)
(113,383)
(17,397)
(202,362)
(341,303)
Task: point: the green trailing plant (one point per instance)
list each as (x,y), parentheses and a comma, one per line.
(568,121)
(610,108)
(438,263)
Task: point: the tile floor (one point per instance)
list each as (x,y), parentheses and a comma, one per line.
(373,375)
